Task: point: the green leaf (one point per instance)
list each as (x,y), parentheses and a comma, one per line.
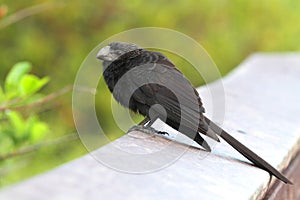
(17,123)
(38,130)
(15,75)
(30,84)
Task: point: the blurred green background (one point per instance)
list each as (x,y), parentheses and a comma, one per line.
(56,36)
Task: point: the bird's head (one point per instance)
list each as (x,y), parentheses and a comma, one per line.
(114,50)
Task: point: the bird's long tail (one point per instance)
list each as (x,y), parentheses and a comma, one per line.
(250,155)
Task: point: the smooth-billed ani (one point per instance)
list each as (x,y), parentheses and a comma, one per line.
(148,83)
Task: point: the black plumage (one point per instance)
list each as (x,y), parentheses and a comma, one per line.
(148,83)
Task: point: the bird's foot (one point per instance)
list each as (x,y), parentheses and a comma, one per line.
(149,130)
(146,129)
(162,133)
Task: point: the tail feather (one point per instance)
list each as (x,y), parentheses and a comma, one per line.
(202,142)
(246,152)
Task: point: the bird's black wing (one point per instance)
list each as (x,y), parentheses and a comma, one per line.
(157,81)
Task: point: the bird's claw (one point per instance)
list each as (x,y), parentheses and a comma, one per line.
(146,129)
(162,133)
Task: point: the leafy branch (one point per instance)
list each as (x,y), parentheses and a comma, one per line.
(41,101)
(21,91)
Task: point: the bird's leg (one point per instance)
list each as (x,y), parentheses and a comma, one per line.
(150,124)
(144,121)
(145,126)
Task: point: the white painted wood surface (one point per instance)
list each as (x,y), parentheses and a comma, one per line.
(262,98)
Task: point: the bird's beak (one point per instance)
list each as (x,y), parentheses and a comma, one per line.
(105,54)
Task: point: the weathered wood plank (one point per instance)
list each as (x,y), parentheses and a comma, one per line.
(262,106)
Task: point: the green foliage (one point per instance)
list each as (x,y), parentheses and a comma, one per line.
(14,77)
(19,84)
(19,131)
(20,90)
(22,130)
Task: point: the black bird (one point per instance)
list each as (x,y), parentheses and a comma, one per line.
(148,83)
